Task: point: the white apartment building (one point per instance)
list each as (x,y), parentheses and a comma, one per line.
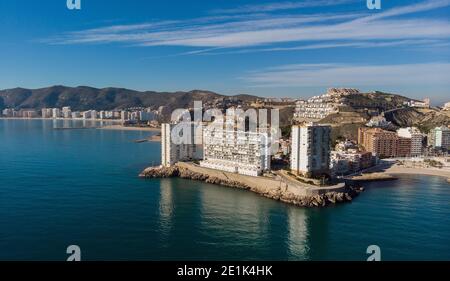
(66,112)
(86,114)
(56,113)
(29,113)
(76,114)
(310,153)
(236,151)
(47,113)
(314,109)
(319,107)
(124,115)
(439,137)
(416,139)
(174,150)
(93,114)
(8,112)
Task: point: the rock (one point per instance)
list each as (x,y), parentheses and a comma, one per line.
(348,197)
(279,194)
(160,172)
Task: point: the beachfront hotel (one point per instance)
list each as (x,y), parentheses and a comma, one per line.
(187,148)
(236,151)
(310,152)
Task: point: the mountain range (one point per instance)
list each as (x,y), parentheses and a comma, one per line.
(352,114)
(85,98)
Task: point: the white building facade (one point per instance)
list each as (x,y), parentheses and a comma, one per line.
(416,139)
(56,113)
(310,153)
(439,138)
(236,151)
(174,149)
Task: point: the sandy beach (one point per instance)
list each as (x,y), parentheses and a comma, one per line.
(395,169)
(124,128)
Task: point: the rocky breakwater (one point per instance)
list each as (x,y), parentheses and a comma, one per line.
(273,189)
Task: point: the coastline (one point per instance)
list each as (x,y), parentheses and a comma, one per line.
(125,128)
(299,194)
(395,169)
(391,171)
(60,118)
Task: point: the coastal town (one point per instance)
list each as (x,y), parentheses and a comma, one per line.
(306,157)
(307,164)
(128,117)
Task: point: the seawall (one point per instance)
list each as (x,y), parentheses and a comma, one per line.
(275,188)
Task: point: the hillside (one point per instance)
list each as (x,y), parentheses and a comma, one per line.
(380,100)
(84,98)
(425,119)
(355,111)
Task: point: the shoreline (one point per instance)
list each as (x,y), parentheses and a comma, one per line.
(60,118)
(125,128)
(298,194)
(418,171)
(389,171)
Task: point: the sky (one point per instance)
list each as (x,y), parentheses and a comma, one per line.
(295,48)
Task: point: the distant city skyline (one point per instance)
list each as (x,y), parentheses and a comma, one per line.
(263,48)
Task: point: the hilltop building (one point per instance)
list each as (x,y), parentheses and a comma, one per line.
(418,104)
(310,153)
(379,122)
(319,107)
(447,106)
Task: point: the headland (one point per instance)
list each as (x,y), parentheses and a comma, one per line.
(278,188)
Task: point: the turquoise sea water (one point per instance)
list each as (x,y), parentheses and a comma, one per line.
(64,187)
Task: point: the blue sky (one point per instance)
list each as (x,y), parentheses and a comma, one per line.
(294,48)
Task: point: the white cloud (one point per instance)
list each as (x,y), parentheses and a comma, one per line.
(271,7)
(343,75)
(409,9)
(353,44)
(249,30)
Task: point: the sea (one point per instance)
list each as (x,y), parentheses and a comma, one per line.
(68,183)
